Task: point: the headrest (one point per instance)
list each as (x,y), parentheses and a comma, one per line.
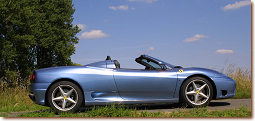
(108,58)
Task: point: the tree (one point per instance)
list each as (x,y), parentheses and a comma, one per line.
(36,34)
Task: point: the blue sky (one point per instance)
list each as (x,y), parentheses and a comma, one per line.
(190,33)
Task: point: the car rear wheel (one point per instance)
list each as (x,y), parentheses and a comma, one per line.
(196,92)
(65,96)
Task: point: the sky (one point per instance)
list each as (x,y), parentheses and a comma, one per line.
(189,33)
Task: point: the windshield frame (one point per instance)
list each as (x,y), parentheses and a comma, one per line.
(158,61)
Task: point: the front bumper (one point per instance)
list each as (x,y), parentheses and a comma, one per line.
(225,87)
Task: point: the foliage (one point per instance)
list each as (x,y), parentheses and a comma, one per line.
(76,64)
(35,34)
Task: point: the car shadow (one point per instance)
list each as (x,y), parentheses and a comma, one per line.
(137,107)
(216,104)
(155,106)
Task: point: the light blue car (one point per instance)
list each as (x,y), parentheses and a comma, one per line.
(68,88)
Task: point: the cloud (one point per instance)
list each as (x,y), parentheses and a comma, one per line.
(224,51)
(237,5)
(81,26)
(151,48)
(121,7)
(195,38)
(145,1)
(93,34)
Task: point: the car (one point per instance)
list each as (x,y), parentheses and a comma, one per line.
(67,88)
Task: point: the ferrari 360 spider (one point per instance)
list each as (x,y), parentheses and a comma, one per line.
(67,88)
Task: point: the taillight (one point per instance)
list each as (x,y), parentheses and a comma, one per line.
(32,78)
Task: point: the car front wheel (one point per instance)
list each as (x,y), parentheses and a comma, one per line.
(65,96)
(196,92)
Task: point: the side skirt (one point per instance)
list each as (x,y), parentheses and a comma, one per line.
(90,103)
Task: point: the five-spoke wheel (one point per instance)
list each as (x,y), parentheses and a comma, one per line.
(65,96)
(196,91)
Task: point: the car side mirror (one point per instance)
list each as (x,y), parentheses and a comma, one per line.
(164,67)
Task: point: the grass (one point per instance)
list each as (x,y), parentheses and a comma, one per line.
(120,111)
(16,99)
(110,111)
(38,114)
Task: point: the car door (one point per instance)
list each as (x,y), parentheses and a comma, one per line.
(98,85)
(141,84)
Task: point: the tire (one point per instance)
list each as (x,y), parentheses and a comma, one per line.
(65,96)
(196,92)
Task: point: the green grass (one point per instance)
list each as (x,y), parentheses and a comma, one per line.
(38,114)
(110,111)
(3,115)
(204,112)
(16,99)
(119,111)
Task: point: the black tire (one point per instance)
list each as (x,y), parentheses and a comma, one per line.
(74,100)
(188,97)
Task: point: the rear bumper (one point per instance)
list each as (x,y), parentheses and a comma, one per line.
(32,96)
(38,92)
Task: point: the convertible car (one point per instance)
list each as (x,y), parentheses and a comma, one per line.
(67,88)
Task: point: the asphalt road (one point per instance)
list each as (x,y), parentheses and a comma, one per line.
(214,105)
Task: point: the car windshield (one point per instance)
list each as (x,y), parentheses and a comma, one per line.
(151,63)
(160,61)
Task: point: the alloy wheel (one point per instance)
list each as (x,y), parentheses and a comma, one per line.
(64,97)
(197,92)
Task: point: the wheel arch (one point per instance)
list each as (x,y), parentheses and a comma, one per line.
(206,77)
(63,79)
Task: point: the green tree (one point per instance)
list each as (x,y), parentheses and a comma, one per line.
(36,34)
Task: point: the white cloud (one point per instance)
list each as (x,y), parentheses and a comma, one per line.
(93,34)
(237,4)
(81,26)
(121,7)
(151,48)
(146,1)
(224,51)
(195,38)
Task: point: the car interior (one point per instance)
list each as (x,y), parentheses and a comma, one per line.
(148,63)
(117,64)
